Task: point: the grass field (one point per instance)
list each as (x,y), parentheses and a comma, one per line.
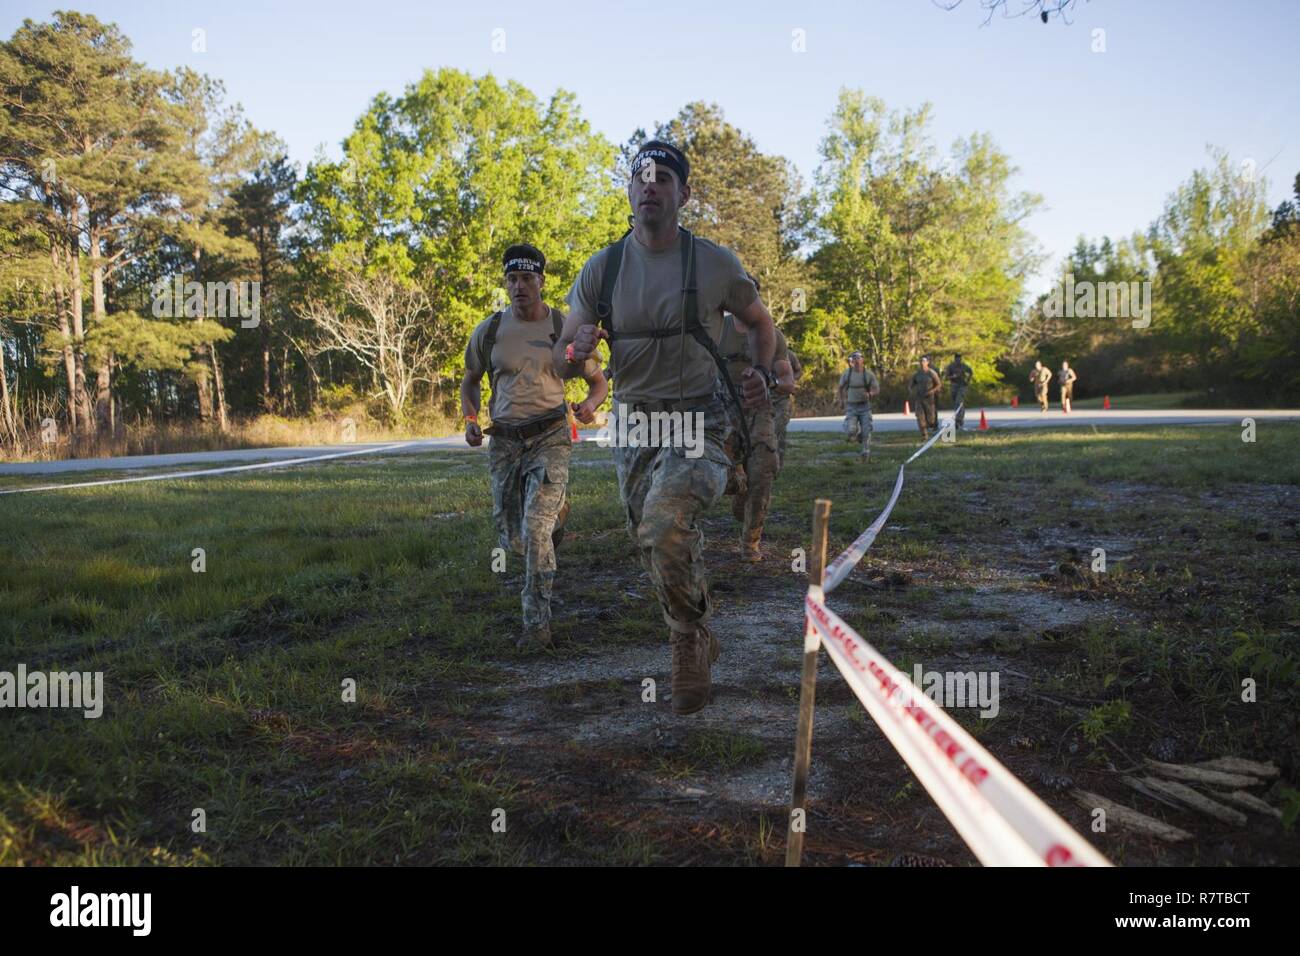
(1131,403)
(224,689)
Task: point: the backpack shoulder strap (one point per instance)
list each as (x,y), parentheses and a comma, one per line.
(485,351)
(557,323)
(604,306)
(695,328)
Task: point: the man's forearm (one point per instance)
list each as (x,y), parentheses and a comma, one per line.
(559,359)
(470,399)
(597,388)
(762,341)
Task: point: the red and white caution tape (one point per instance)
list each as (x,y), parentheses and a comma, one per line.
(283,463)
(1000,819)
(938,433)
(848,559)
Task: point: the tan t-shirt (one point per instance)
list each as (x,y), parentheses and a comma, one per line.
(734,347)
(925,383)
(526,383)
(858,386)
(648,295)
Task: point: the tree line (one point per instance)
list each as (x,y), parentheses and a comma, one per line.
(1222,274)
(162,260)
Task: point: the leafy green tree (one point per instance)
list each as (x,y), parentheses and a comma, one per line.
(1267,356)
(93,152)
(435,184)
(916,254)
(1201,241)
(261,212)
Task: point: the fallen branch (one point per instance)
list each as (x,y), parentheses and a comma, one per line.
(1196,801)
(1133,783)
(1249,768)
(1213,778)
(1129,818)
(1248,801)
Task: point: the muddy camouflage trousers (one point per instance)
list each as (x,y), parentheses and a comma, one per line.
(927,414)
(529,478)
(750,507)
(858,425)
(664,492)
(959,400)
(782,409)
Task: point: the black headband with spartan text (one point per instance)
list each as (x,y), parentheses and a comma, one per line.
(661,157)
(523,264)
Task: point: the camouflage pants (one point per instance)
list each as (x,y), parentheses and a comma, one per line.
(959,398)
(857,417)
(782,409)
(750,508)
(927,416)
(528,484)
(664,492)
(1040,393)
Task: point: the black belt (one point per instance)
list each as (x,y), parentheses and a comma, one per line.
(525,431)
(668,404)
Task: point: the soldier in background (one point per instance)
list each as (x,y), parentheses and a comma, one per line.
(783,403)
(924,388)
(858,386)
(959,374)
(530,448)
(753,495)
(1040,377)
(1066,377)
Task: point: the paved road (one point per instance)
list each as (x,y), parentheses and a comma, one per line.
(884,422)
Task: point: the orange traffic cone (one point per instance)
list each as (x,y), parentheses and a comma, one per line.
(907,407)
(1015,401)
(1106,402)
(984,421)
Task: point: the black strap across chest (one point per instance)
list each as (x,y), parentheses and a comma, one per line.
(490,340)
(691,324)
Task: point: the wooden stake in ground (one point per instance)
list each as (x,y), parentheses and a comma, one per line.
(807,690)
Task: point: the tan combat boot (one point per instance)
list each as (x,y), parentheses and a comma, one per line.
(749,547)
(693,655)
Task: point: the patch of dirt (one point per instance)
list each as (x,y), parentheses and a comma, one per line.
(573,727)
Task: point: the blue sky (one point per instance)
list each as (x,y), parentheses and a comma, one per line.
(1103,137)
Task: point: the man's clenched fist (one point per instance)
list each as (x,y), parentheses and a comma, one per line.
(473,434)
(584,342)
(753,388)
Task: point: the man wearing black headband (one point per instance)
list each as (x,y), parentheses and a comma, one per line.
(657,295)
(529,453)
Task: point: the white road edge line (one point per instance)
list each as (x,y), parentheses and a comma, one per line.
(209,471)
